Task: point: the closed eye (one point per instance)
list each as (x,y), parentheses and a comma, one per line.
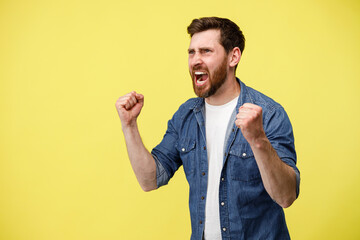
(205,50)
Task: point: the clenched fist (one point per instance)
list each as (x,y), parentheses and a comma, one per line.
(249,120)
(129,107)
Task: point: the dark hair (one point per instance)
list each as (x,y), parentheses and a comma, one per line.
(230,34)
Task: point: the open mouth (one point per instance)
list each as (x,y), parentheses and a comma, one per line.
(200,78)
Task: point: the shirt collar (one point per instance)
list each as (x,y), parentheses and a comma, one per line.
(199,103)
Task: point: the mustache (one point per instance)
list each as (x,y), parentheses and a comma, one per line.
(199,68)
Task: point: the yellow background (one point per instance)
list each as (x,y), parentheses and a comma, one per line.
(64,171)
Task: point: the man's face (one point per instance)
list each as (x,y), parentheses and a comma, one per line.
(208,63)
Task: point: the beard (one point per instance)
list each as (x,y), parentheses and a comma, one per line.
(216,80)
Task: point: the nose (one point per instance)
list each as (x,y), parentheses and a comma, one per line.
(196,59)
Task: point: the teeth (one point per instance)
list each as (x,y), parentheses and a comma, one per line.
(200,73)
(199,78)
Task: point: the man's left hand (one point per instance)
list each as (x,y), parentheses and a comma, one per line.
(249,120)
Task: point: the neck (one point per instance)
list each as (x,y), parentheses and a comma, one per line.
(227,92)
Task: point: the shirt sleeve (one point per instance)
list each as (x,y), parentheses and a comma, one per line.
(280,134)
(166,155)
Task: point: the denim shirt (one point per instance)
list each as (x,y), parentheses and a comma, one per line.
(246,209)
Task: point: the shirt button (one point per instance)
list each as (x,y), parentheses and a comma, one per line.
(222,203)
(200,222)
(233,129)
(204,148)
(203,173)
(202,198)
(183,149)
(225,154)
(222,179)
(244,154)
(224,229)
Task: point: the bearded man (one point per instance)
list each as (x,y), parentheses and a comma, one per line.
(236,144)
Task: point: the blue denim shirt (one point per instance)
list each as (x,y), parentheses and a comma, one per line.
(247,211)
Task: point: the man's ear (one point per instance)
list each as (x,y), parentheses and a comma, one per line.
(235,56)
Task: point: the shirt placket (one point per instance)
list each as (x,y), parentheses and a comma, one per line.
(203,170)
(223,188)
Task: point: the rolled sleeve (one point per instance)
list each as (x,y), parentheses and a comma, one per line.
(162,178)
(167,156)
(280,134)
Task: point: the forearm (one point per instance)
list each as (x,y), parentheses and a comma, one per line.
(279,179)
(141,160)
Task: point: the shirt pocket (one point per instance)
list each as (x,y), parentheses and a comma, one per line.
(186,148)
(243,164)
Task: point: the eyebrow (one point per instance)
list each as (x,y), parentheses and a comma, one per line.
(201,49)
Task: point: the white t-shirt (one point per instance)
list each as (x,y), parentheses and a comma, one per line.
(217,120)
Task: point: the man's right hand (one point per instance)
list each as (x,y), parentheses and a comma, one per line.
(129,107)
(142,162)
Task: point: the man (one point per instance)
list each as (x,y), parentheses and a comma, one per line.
(236,145)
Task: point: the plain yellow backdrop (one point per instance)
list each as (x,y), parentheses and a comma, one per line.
(64,171)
